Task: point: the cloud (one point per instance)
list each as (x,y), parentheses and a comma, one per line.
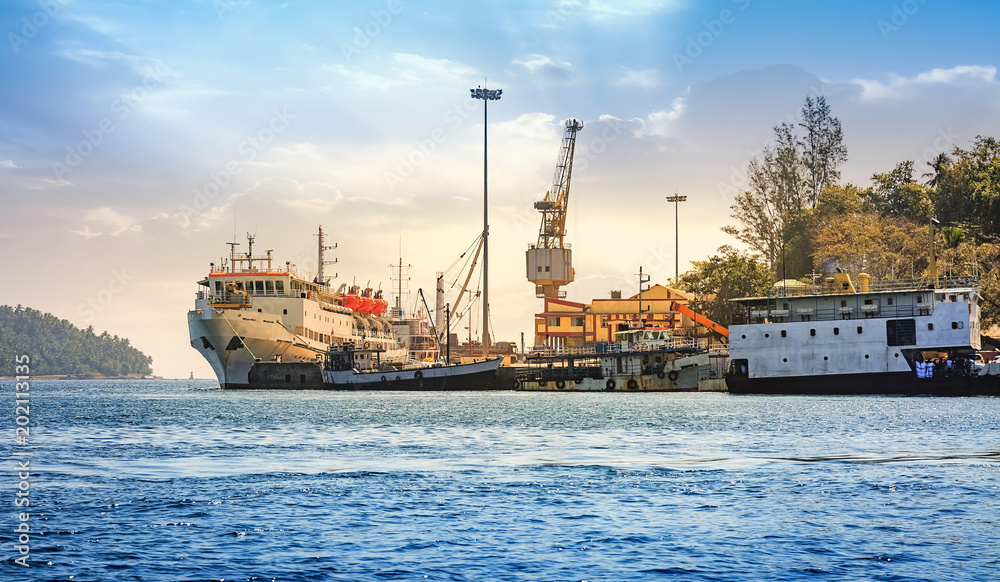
(661,122)
(118,223)
(8,164)
(404,69)
(85,233)
(542,64)
(899,86)
(644,79)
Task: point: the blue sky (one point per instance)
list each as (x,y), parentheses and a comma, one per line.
(137,137)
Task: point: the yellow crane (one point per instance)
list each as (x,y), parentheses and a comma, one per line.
(550,260)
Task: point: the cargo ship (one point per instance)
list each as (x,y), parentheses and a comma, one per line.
(248,309)
(912,337)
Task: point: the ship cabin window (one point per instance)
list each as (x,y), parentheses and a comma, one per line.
(930,327)
(553,322)
(279,287)
(269,287)
(901,332)
(784,333)
(546,268)
(248,286)
(836,331)
(260,286)
(957,325)
(812,332)
(868,302)
(953,298)
(920,298)
(539,268)
(889,301)
(784,306)
(284,312)
(859,329)
(843,303)
(218,287)
(578,321)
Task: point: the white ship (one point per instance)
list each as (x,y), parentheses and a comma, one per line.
(250,310)
(885,337)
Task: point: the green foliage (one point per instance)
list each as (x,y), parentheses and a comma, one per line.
(56,346)
(722,277)
(897,194)
(822,148)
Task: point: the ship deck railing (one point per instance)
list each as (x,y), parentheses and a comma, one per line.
(831,314)
(874,286)
(678,343)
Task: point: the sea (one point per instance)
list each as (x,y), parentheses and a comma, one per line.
(177,480)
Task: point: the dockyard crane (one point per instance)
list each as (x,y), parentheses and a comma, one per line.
(550,260)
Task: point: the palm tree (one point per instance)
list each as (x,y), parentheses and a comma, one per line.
(939,164)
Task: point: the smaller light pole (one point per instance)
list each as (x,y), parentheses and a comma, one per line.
(677,237)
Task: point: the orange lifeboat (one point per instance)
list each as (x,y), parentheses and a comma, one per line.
(352,300)
(380,304)
(366,302)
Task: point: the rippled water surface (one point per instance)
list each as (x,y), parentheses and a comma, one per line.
(176,480)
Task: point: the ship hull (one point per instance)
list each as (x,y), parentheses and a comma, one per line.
(232,343)
(477,376)
(888,383)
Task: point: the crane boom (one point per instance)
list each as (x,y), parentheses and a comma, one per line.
(554,204)
(549,261)
(699,318)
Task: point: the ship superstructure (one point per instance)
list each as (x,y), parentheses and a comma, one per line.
(884,337)
(248,309)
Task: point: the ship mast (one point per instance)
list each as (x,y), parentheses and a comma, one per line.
(320,276)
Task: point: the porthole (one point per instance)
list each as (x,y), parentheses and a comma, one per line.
(767,335)
(825,358)
(744,337)
(859,329)
(836,331)
(784,333)
(896,355)
(812,332)
(866,356)
(784,359)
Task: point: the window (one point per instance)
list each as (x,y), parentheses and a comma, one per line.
(889,301)
(900,332)
(859,329)
(284,312)
(836,331)
(957,324)
(546,268)
(553,322)
(259,286)
(784,333)
(279,287)
(920,298)
(578,322)
(930,327)
(843,303)
(269,287)
(812,332)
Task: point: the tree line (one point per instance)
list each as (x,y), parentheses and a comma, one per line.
(797,220)
(57,347)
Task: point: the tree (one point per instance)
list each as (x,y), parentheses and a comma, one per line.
(897,194)
(773,201)
(882,246)
(728,275)
(822,148)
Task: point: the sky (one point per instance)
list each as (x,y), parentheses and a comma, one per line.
(138,138)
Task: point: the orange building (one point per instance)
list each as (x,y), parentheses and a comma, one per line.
(567,323)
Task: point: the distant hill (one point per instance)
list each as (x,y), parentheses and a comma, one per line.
(56,346)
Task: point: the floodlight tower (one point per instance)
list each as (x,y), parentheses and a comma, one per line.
(486,95)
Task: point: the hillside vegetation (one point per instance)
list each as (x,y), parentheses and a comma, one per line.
(56,346)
